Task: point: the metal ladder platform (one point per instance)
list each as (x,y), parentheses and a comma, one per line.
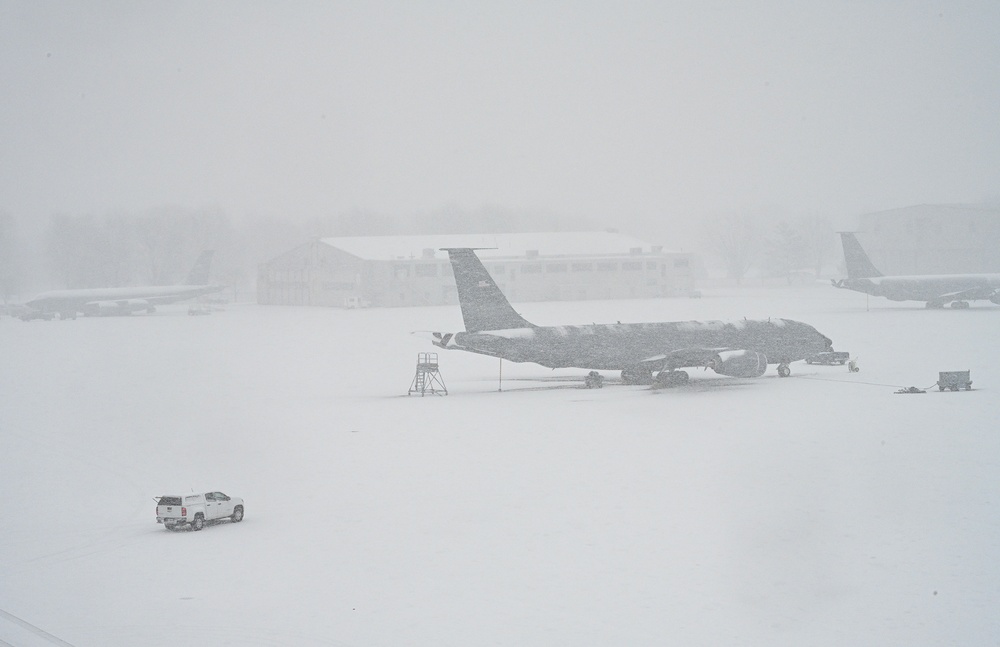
(428,376)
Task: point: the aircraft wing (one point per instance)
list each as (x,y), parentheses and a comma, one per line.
(141,302)
(115,306)
(164,299)
(734,362)
(685,357)
(972,294)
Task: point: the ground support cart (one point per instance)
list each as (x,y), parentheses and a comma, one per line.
(954,380)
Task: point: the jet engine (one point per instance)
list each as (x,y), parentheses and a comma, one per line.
(739,363)
(106,308)
(117,308)
(995,299)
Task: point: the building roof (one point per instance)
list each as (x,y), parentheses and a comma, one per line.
(937,210)
(585,243)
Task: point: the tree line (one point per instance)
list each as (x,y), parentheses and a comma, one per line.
(779,248)
(158,246)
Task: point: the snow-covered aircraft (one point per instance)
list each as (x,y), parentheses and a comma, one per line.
(640,350)
(934,289)
(123,301)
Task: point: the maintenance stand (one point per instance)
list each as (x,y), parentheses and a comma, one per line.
(427,376)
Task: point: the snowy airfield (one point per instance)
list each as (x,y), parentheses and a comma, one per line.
(822,509)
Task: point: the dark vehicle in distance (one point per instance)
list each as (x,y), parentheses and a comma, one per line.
(830,358)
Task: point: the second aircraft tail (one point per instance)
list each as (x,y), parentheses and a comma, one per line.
(859,266)
(484,306)
(199,273)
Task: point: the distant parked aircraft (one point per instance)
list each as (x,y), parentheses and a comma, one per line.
(123,301)
(737,349)
(934,289)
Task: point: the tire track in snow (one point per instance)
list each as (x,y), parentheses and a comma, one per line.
(37,631)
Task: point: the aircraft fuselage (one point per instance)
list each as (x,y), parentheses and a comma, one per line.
(666,345)
(929,288)
(88,301)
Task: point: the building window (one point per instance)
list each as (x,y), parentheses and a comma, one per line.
(681,262)
(607,267)
(401,271)
(497,269)
(558,267)
(426,269)
(651,265)
(583,267)
(631,266)
(531,268)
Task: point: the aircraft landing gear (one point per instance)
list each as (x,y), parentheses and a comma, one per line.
(637,375)
(959,305)
(784,370)
(671,378)
(933,305)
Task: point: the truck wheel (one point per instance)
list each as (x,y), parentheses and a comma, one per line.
(198,523)
(237,514)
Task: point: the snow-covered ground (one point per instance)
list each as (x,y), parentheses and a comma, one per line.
(821,509)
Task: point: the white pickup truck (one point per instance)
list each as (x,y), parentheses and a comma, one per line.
(195,510)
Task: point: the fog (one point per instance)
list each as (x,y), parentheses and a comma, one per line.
(649,116)
(820,509)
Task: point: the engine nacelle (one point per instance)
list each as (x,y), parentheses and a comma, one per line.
(739,363)
(109,308)
(995,299)
(117,308)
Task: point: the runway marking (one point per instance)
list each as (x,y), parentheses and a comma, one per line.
(41,633)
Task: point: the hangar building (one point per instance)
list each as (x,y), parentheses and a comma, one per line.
(412,271)
(933,239)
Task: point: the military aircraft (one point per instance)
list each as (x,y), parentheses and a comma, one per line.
(639,350)
(935,290)
(123,301)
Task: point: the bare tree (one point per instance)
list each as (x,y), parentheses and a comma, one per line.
(736,239)
(787,250)
(819,237)
(73,250)
(11,270)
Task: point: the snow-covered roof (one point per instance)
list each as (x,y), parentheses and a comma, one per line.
(585,243)
(936,210)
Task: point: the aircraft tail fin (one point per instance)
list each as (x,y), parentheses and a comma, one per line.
(199,273)
(859,266)
(484,306)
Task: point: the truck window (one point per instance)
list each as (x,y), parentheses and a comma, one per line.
(169,500)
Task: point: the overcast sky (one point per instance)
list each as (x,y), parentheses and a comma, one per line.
(652,110)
